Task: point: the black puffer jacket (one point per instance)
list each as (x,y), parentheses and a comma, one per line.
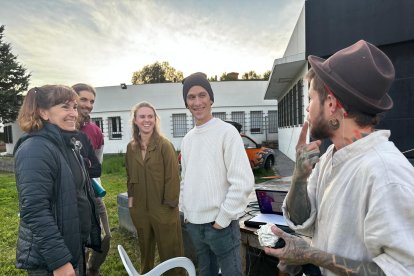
(49,230)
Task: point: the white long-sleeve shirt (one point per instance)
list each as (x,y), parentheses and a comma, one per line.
(216,177)
(362,205)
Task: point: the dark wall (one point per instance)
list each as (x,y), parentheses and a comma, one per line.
(334,24)
(400,120)
(389,24)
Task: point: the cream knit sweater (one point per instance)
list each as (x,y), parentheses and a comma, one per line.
(216,177)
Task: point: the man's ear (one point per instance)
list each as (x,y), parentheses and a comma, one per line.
(331,101)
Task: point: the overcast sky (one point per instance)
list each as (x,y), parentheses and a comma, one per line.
(103,42)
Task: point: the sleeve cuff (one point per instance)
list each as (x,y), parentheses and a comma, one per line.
(305,228)
(223,220)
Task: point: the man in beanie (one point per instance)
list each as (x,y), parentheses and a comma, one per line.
(357,202)
(216,180)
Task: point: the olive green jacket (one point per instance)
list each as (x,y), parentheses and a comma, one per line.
(153,182)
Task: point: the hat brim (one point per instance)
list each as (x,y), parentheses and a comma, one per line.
(344,91)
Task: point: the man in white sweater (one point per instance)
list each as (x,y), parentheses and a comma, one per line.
(216,180)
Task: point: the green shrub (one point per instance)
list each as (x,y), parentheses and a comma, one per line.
(114,164)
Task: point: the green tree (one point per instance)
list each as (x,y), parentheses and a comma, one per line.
(212,78)
(266,75)
(158,72)
(233,76)
(13,82)
(251,75)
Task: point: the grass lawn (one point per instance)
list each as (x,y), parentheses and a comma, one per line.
(114,180)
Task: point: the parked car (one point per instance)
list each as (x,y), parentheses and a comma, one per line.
(259,156)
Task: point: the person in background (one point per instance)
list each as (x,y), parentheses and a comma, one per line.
(87,95)
(216,180)
(56,202)
(153,189)
(357,203)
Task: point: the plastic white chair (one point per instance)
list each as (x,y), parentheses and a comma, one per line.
(183,262)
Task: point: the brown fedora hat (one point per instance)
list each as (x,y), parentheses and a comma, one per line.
(360,75)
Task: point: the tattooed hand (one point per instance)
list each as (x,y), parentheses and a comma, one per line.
(307,155)
(298,252)
(295,251)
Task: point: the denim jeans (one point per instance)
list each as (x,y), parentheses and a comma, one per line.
(217,248)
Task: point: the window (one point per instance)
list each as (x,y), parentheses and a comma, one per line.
(98,122)
(179,122)
(8,135)
(290,107)
(272,116)
(238,116)
(285,111)
(256,122)
(220,115)
(295,105)
(300,102)
(114,128)
(248,143)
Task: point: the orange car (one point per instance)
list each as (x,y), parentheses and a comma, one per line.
(259,157)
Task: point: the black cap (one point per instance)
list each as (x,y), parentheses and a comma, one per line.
(199,79)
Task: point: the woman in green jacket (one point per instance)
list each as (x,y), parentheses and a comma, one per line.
(153,189)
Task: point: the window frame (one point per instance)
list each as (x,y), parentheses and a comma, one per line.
(179,124)
(99,122)
(117,134)
(256,121)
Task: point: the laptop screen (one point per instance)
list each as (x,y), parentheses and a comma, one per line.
(270,201)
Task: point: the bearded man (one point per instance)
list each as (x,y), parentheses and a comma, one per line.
(356,200)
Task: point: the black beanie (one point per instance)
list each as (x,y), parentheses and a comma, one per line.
(200,79)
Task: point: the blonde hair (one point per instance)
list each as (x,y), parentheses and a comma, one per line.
(43,97)
(136,136)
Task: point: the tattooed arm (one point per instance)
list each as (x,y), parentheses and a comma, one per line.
(297,252)
(297,200)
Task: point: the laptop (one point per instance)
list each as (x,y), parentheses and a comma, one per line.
(270,205)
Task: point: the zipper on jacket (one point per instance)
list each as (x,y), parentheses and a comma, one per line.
(88,190)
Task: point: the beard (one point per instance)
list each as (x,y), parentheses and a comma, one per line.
(84,112)
(83,118)
(320,129)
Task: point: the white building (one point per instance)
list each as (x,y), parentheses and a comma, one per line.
(241,101)
(287,86)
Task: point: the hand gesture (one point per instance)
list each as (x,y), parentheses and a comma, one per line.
(307,155)
(294,252)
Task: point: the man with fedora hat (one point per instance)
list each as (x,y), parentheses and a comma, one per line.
(356,200)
